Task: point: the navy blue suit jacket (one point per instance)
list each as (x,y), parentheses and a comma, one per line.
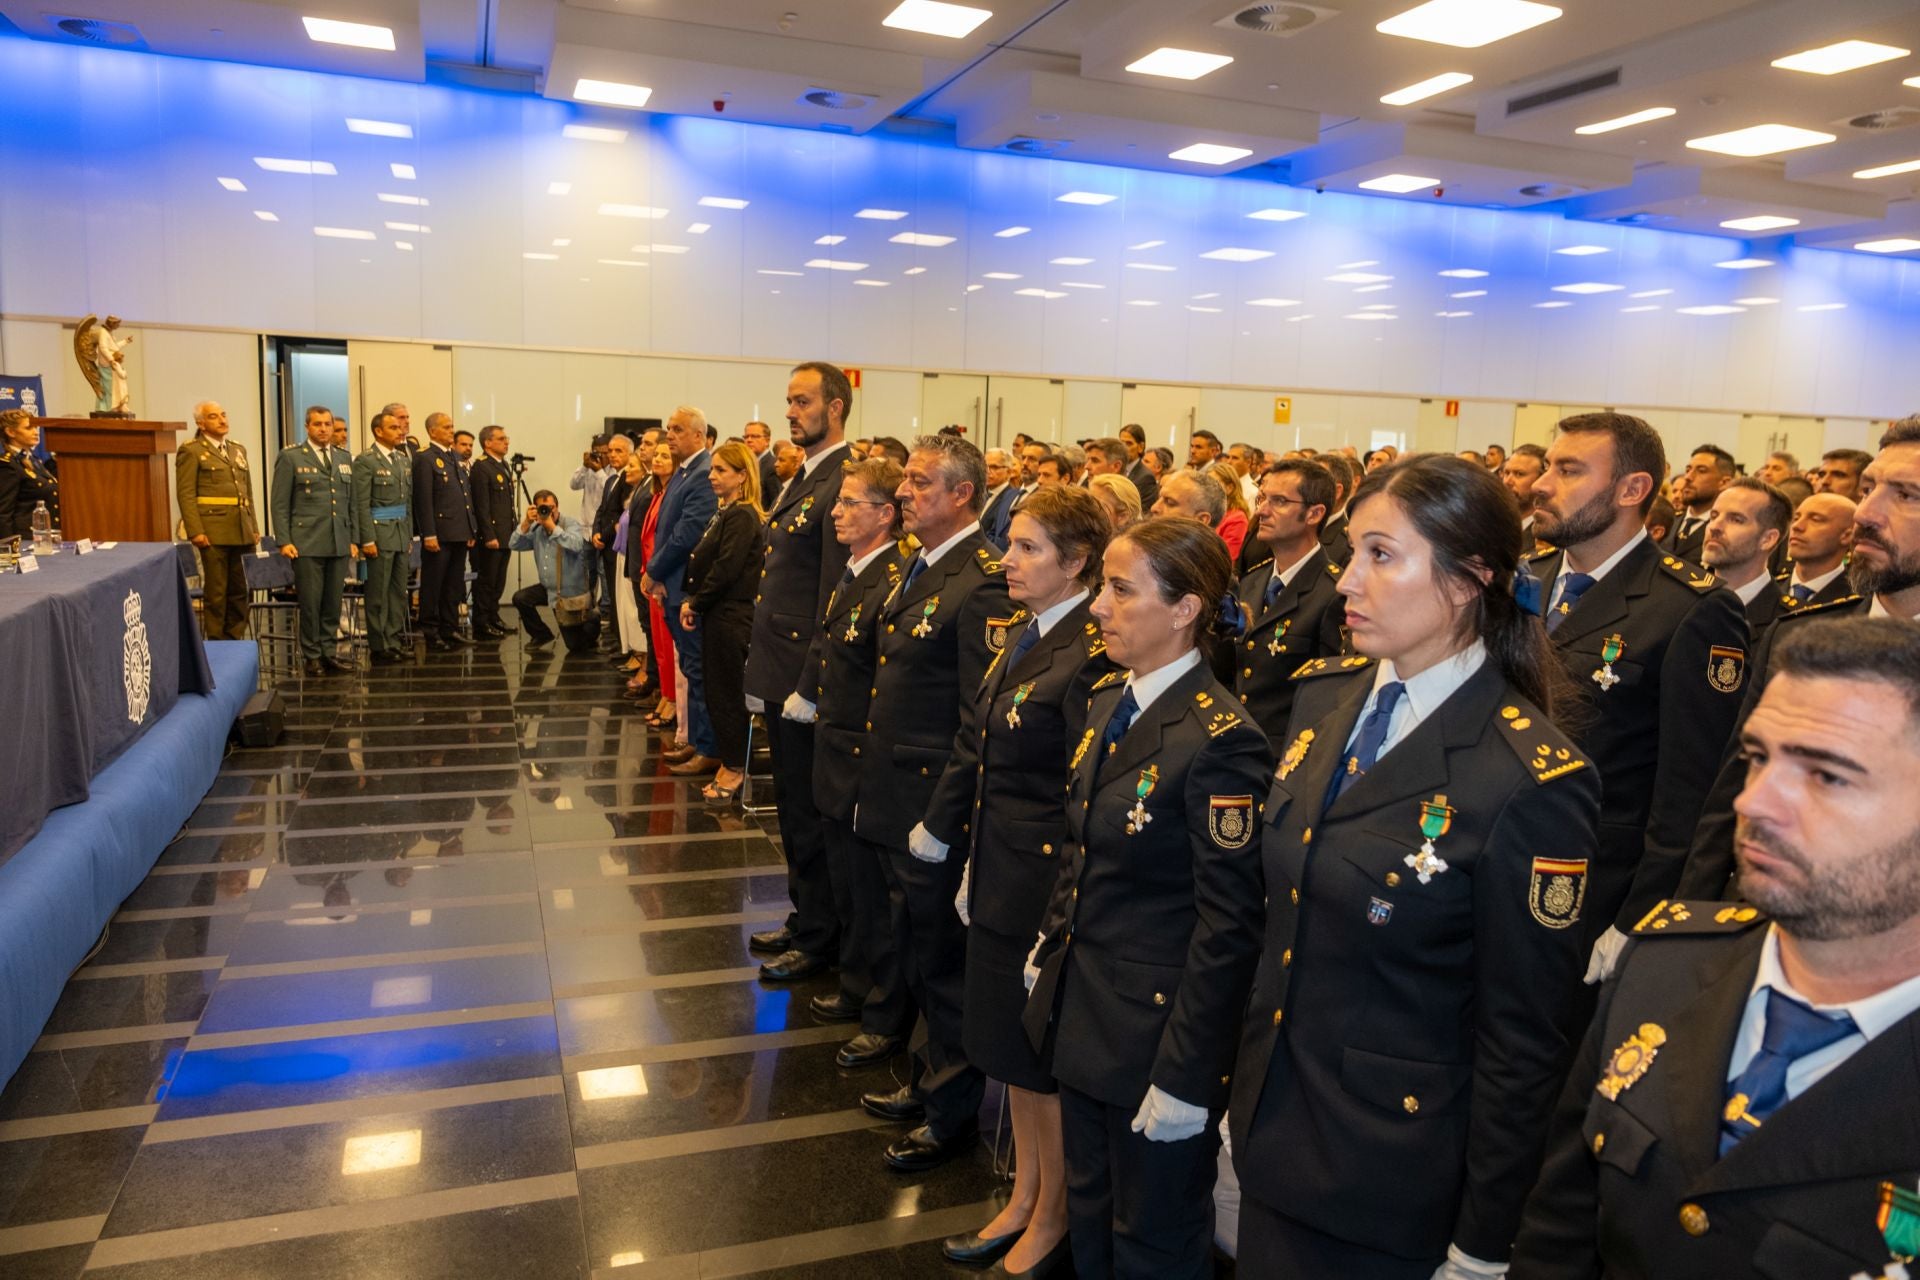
(684,512)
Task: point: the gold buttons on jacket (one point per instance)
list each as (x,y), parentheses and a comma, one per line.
(1159,997)
(1599,1143)
(1306,837)
(1393,879)
(1295,893)
(1246,671)
(1286,958)
(883,659)
(1693,1219)
(1277,1015)
(889,628)
(1046,848)
(1410,1103)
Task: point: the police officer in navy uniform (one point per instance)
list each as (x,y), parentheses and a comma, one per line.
(940,631)
(24,480)
(836,688)
(496,514)
(1147,950)
(443,517)
(1744,1103)
(1658,645)
(1292,609)
(1427,843)
(803,565)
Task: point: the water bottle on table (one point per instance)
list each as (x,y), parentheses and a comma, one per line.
(42,529)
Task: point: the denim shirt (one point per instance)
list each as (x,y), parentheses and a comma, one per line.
(559,557)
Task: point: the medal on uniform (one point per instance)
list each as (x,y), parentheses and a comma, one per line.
(1899,1221)
(1020,695)
(1609,654)
(1296,752)
(924,628)
(1138,817)
(1630,1061)
(1274,646)
(1435,819)
(800,517)
(852,632)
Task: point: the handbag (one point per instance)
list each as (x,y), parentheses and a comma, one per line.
(571,611)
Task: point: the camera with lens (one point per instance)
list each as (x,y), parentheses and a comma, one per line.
(545,509)
(519,462)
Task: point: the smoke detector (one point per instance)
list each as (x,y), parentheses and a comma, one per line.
(1287,18)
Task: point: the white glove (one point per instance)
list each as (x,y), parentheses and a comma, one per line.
(1606,954)
(1462,1266)
(966,889)
(1164,1118)
(799,710)
(1030,971)
(756,705)
(922,845)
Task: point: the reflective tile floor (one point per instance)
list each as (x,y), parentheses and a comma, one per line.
(454,981)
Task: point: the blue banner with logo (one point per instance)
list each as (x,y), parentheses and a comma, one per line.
(24,393)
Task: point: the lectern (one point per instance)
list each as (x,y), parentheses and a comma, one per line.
(113,477)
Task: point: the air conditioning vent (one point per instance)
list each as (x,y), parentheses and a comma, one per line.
(96,31)
(1561,92)
(1882,120)
(835,100)
(1641,219)
(1023,145)
(1282,19)
(1548,190)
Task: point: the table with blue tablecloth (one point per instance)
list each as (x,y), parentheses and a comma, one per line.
(94,650)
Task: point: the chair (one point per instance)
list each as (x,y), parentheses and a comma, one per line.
(273,613)
(190,570)
(756,753)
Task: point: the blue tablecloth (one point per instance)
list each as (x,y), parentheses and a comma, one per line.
(95,649)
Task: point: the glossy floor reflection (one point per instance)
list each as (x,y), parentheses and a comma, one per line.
(454,982)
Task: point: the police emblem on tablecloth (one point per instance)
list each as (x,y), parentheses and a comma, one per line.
(1557,890)
(136,659)
(1230,820)
(1725,667)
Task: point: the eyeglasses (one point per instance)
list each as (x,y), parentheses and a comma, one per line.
(844,501)
(1269,500)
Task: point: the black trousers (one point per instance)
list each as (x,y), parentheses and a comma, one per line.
(869,968)
(932,946)
(1272,1244)
(814,925)
(443,583)
(490,579)
(724,632)
(1137,1208)
(579,636)
(607,560)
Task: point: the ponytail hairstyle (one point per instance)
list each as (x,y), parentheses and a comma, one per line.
(1465,514)
(1189,559)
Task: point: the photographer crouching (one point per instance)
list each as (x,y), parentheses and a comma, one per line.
(560,554)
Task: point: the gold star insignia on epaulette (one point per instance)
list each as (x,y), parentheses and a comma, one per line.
(1221,722)
(1204,698)
(1672,917)
(1735,915)
(1092,628)
(1112,677)
(1671,563)
(1333,570)
(1310,666)
(1514,719)
(1550,763)
(1355,661)
(1664,915)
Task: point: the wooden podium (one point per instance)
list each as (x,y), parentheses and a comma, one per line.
(113,477)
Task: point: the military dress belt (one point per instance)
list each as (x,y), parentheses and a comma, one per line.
(218,502)
(382,514)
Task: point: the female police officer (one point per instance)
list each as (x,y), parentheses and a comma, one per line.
(24,482)
(1426,846)
(1152,933)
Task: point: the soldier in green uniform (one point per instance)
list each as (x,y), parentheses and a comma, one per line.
(311,505)
(383,528)
(216,511)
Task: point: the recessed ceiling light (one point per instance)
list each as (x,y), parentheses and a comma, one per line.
(1079,284)
(360,35)
(769,271)
(830,240)
(1039,293)
(1756,302)
(1645,306)
(559,188)
(1210,311)
(1276,215)
(593,133)
(1399,183)
(1823,306)
(999,275)
(232,184)
(1760,222)
(1463,273)
(874,284)
(632,211)
(1426,88)
(1588,286)
(562,243)
(1888,170)
(1467,24)
(414,227)
(1356,277)
(973,288)
(1372,288)
(1713,309)
(613,93)
(913,271)
(402,171)
(266,215)
(389,197)
(832,264)
(1381,306)
(1847,55)
(1651,293)
(1086,197)
(1210,153)
(723,202)
(1469,293)
(1912,82)
(1146,244)
(1178,64)
(343,233)
(1273,302)
(921,239)
(1202,297)
(660,248)
(404,246)
(1141,302)
(699,228)
(1452,315)
(935,18)
(1068,262)
(1007,233)
(1744,264)
(1231,254)
(379,128)
(1626,121)
(1371,315)
(1760,140)
(319,168)
(1548,306)
(1292,319)
(1149,266)
(541,257)
(1355,266)
(1583,250)
(882,215)
(619,262)
(1898,244)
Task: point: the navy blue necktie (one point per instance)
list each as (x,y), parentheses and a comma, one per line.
(1793,1031)
(1572,587)
(1027,640)
(846,579)
(1801,592)
(1117,726)
(1274,588)
(914,570)
(1366,748)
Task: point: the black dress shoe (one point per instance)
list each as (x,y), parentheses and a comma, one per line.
(835,1008)
(314,667)
(976,1250)
(772,942)
(504,629)
(897,1104)
(791,966)
(439,644)
(1058,1261)
(340,665)
(918,1150)
(866,1049)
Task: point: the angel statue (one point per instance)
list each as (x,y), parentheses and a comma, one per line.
(103,364)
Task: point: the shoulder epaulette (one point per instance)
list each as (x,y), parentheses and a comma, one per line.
(1330,667)
(1334,571)
(1547,753)
(1811,608)
(1096,643)
(1540,552)
(1258,564)
(988,564)
(1111,678)
(1699,917)
(1701,580)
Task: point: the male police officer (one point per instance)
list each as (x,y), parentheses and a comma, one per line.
(1744,1102)
(1294,612)
(443,516)
(383,528)
(312,507)
(216,511)
(495,517)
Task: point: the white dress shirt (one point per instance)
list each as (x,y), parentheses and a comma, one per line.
(1872,1015)
(1424,694)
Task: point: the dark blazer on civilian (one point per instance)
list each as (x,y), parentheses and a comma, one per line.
(1144,481)
(998,515)
(687,505)
(724,566)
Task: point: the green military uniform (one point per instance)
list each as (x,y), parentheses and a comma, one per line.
(312,508)
(216,501)
(383,519)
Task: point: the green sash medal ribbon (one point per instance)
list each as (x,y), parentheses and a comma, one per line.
(1138,817)
(924,628)
(1609,654)
(1274,646)
(1020,695)
(1899,1221)
(1436,819)
(800,517)
(852,632)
